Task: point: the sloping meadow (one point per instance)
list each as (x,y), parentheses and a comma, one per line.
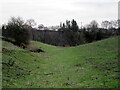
(93,65)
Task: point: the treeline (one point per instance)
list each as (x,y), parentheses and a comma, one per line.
(69,34)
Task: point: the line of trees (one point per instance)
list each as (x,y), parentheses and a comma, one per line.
(69,33)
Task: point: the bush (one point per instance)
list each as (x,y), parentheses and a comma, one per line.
(22,36)
(18,30)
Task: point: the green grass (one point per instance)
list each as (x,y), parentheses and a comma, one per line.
(91,65)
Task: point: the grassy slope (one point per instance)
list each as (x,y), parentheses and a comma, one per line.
(87,66)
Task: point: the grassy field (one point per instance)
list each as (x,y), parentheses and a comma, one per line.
(91,65)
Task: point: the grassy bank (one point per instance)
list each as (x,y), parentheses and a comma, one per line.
(91,65)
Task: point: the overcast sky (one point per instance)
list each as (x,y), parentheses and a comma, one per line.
(52,12)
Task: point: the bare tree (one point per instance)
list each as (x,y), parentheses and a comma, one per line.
(114,23)
(41,26)
(93,24)
(105,24)
(31,22)
(16,21)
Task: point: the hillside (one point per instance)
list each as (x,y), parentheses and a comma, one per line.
(91,65)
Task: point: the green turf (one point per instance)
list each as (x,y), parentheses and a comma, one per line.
(91,65)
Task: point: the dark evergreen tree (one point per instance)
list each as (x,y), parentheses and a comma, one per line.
(74,26)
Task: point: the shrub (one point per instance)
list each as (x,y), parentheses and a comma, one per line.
(18,30)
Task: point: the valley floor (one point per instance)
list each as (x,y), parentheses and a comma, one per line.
(93,65)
